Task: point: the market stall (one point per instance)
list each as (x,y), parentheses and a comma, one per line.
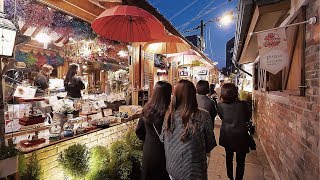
(40,118)
(116,73)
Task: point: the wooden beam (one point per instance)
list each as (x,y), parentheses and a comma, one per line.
(280,6)
(69,9)
(24,29)
(108,5)
(87,6)
(59,39)
(36,32)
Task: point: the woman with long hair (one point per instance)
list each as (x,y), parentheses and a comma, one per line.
(72,83)
(41,81)
(233,132)
(187,135)
(148,130)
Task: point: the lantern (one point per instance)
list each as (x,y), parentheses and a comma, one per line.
(7,36)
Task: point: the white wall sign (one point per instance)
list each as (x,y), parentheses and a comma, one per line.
(273,50)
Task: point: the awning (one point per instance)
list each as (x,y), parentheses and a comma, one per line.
(264,17)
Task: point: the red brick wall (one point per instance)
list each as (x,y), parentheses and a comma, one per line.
(288,125)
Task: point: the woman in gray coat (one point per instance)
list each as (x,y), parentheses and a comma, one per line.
(187,134)
(204,102)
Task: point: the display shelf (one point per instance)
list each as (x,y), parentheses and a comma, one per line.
(27,130)
(27,143)
(88,114)
(51,143)
(28,100)
(27,121)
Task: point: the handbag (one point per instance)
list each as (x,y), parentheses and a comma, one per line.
(251,131)
(251,127)
(252,143)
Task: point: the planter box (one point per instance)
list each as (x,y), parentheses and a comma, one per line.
(26,121)
(8,166)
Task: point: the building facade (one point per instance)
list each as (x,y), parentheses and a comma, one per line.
(286,105)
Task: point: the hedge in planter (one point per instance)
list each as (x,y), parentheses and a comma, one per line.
(30,169)
(75,161)
(8,160)
(99,164)
(126,157)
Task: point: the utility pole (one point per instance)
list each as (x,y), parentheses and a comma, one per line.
(2,120)
(201,36)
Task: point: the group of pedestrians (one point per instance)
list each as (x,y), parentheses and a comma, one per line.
(178,131)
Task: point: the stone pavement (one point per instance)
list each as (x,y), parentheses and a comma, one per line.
(256,167)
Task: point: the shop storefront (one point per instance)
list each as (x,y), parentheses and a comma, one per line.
(117,73)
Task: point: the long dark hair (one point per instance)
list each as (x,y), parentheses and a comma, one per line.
(184,99)
(72,71)
(157,106)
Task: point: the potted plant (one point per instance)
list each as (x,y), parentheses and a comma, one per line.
(75,161)
(8,160)
(30,168)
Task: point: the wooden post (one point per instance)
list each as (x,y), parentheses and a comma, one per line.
(2,120)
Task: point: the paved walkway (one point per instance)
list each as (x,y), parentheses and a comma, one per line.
(257,166)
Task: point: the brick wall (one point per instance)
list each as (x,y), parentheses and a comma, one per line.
(288,125)
(48,156)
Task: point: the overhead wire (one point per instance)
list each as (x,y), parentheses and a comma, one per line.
(211,51)
(183,26)
(201,11)
(178,13)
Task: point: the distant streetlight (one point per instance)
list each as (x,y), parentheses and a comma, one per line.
(226,19)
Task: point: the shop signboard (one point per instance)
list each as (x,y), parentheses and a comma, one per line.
(273,50)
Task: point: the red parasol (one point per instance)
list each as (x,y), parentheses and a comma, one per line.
(128,24)
(168,44)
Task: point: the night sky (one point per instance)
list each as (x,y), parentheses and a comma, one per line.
(215,36)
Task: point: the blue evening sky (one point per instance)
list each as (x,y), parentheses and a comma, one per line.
(215,37)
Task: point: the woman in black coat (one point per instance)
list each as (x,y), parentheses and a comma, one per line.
(234,133)
(148,130)
(73,84)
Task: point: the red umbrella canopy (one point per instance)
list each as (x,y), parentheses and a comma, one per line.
(186,57)
(166,45)
(128,24)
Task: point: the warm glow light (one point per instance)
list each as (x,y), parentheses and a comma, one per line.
(123,53)
(226,20)
(7,37)
(86,52)
(153,47)
(43,38)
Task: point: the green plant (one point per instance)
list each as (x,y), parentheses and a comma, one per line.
(132,140)
(119,150)
(135,158)
(245,96)
(8,151)
(99,158)
(75,161)
(32,170)
(22,164)
(120,162)
(102,174)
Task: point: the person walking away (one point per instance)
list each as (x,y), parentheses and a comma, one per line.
(233,133)
(72,83)
(187,134)
(148,130)
(212,93)
(218,90)
(41,81)
(204,102)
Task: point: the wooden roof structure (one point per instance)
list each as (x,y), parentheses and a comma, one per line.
(89,10)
